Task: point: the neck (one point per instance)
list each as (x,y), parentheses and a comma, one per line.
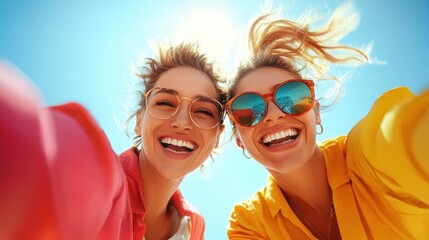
(161,220)
(307,186)
(157,190)
(310,197)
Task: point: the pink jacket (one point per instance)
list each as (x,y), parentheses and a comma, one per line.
(59,177)
(129,160)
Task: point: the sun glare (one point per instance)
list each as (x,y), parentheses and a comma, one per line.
(215,32)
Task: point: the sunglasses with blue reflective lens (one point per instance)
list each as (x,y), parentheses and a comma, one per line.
(294,97)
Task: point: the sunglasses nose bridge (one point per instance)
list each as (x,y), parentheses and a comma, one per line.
(273,111)
(269,100)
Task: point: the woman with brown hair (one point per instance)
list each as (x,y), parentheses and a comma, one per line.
(60,178)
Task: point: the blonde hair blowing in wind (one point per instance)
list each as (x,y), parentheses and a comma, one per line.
(297,48)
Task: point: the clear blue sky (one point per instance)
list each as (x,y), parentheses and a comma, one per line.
(83,51)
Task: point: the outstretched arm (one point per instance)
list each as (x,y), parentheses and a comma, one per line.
(388,155)
(59,177)
(395,142)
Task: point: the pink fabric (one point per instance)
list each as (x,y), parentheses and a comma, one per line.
(129,160)
(59,177)
(26,194)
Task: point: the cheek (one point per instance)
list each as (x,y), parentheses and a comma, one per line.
(310,125)
(145,125)
(148,125)
(210,139)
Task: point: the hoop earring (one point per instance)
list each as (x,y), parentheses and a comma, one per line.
(244,153)
(321,128)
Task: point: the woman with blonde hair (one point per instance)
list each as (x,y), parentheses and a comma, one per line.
(369,184)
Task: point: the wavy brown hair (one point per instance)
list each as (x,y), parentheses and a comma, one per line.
(184,54)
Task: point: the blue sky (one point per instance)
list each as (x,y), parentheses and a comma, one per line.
(84,50)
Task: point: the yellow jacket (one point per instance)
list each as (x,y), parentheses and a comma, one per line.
(379,175)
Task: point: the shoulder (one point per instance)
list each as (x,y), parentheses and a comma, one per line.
(334,145)
(250,218)
(256,201)
(129,159)
(183,206)
(265,200)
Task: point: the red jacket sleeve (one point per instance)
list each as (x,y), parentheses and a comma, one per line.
(59,177)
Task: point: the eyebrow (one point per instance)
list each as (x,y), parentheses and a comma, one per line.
(209,100)
(167,90)
(200,97)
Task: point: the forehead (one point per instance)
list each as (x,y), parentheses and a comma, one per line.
(263,79)
(187,82)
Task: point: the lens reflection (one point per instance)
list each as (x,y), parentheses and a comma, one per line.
(248,109)
(293,97)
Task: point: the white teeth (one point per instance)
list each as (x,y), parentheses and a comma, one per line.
(279,135)
(178,142)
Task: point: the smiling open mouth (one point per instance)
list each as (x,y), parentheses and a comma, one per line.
(177,146)
(280,137)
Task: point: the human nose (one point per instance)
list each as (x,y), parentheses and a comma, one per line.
(182,119)
(273,112)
